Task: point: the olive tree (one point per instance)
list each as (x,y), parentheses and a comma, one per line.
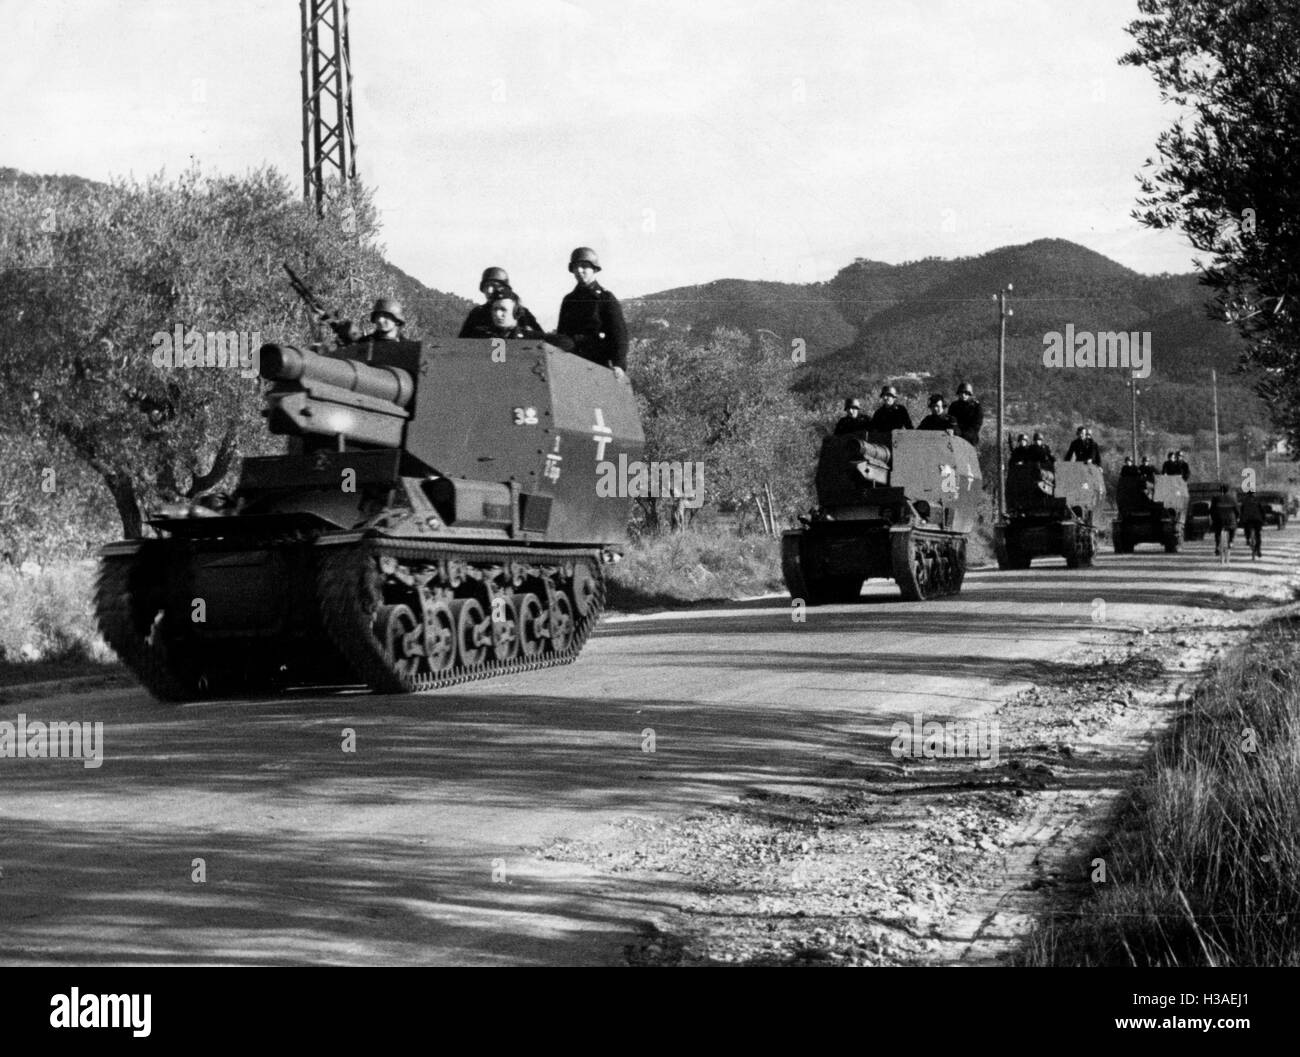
(121,301)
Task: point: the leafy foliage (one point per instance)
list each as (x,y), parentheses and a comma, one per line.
(91,277)
(725,401)
(1229,168)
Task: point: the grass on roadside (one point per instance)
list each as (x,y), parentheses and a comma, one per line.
(47,618)
(1203,864)
(712,564)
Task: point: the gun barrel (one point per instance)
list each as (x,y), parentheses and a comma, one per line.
(285,363)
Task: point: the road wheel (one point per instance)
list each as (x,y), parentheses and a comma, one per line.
(505,629)
(532,636)
(586,590)
(561,621)
(473,632)
(439,637)
(402,638)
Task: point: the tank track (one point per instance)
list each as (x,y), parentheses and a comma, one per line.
(140,648)
(356,584)
(1078,544)
(360,591)
(1009,554)
(927,563)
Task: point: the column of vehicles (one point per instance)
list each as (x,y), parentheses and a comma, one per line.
(421,533)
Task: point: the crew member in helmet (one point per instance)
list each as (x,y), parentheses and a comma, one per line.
(506,317)
(890,415)
(854,421)
(968,414)
(591,317)
(494,281)
(388,321)
(938,418)
(1021,453)
(1040,453)
(1083,448)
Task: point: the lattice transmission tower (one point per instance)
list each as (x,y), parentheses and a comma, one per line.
(328,147)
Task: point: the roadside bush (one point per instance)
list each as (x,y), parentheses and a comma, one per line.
(49,615)
(706,563)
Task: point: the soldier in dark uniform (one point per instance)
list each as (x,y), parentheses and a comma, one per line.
(1146,469)
(938,418)
(1170,465)
(494,281)
(854,421)
(1128,469)
(1083,448)
(1224,512)
(1040,453)
(592,317)
(506,319)
(1021,453)
(968,414)
(1184,467)
(388,321)
(890,415)
(1252,523)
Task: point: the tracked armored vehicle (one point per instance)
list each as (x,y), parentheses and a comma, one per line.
(440,517)
(1150,511)
(1049,512)
(902,514)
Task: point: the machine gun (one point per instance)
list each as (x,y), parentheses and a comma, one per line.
(345,331)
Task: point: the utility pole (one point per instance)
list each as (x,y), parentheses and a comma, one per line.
(328,149)
(1003,313)
(1133,387)
(1214,383)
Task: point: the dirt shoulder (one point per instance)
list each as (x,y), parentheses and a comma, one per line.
(900,860)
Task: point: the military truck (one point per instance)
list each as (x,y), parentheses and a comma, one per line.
(1151,510)
(1049,512)
(444,513)
(896,506)
(1274,507)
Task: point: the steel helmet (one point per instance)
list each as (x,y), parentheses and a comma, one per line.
(388,306)
(965,388)
(851,403)
(888,390)
(584,255)
(494,275)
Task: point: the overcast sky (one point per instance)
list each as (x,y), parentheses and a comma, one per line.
(686,141)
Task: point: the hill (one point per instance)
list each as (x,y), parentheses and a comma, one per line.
(933,322)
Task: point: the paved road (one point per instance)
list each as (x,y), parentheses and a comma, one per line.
(417,847)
